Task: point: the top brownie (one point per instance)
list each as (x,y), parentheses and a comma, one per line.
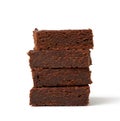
(63,39)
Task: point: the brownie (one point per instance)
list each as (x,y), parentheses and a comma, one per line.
(59,58)
(60,96)
(63,39)
(60,77)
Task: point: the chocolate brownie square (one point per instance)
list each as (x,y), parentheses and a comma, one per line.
(63,39)
(60,77)
(60,96)
(59,59)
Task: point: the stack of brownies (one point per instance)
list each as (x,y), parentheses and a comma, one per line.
(60,64)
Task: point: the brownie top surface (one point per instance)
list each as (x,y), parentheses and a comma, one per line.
(66,30)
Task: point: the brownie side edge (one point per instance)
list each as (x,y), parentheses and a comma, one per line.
(60,96)
(60,77)
(63,39)
(59,58)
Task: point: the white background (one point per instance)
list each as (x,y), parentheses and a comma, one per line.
(18,18)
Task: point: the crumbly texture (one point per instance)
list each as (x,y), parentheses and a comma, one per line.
(60,96)
(60,77)
(63,39)
(59,58)
(60,64)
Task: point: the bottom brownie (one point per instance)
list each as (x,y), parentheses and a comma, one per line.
(60,96)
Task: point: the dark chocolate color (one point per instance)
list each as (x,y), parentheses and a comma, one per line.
(63,39)
(60,77)
(60,58)
(60,96)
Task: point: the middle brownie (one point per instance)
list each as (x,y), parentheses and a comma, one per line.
(60,59)
(60,77)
